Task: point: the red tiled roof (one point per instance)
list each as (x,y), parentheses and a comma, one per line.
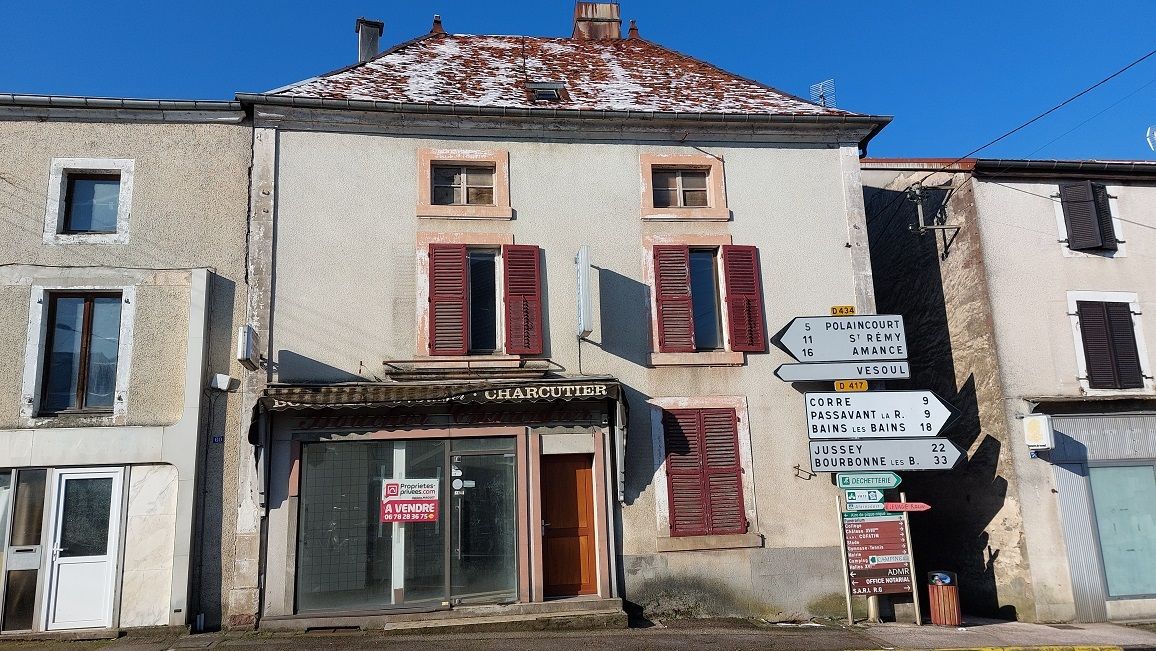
(492,71)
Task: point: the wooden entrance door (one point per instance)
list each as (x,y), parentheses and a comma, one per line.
(568,525)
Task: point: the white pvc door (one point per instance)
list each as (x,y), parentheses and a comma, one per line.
(85,532)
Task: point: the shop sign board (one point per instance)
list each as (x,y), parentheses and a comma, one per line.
(833,371)
(878,560)
(876,414)
(844,338)
(884,454)
(881,480)
(410,500)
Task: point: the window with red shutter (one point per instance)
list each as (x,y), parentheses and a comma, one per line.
(672,298)
(1111,356)
(744,298)
(523,299)
(448,303)
(703,472)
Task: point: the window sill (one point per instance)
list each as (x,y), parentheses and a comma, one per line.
(696,543)
(427,211)
(686,214)
(714,358)
(469,361)
(86,238)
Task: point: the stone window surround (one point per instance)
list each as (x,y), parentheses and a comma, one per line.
(34,350)
(1117,226)
(1133,302)
(495,360)
(498,158)
(716,209)
(668,543)
(58,187)
(724,357)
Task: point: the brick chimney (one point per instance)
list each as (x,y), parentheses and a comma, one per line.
(368,37)
(597,20)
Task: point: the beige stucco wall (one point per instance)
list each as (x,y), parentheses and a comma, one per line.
(148,551)
(189,201)
(344,294)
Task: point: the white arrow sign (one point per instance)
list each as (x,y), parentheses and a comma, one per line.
(884,454)
(844,338)
(897,370)
(875,414)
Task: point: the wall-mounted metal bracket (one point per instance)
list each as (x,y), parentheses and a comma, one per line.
(915,194)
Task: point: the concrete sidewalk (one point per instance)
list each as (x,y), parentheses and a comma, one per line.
(675,635)
(987,633)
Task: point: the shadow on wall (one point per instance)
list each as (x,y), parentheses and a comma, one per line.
(292,367)
(908,280)
(624,316)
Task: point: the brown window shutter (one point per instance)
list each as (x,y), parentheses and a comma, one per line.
(1097,344)
(744,297)
(1104,216)
(1080,216)
(1124,351)
(523,299)
(672,297)
(704,472)
(448,301)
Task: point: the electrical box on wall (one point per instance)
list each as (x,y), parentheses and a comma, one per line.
(1038,432)
(248,348)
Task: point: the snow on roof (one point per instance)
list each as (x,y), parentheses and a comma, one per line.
(492,71)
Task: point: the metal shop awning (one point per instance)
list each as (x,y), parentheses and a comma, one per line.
(360,395)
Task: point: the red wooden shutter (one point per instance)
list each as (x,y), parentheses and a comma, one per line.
(448,301)
(1079,206)
(1104,216)
(723,470)
(684,473)
(1125,356)
(744,297)
(672,298)
(703,472)
(523,299)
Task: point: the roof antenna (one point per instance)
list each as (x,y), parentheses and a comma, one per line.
(823,93)
(437,25)
(1151,137)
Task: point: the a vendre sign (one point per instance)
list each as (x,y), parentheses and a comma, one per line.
(409,500)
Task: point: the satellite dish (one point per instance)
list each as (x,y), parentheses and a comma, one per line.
(1151,136)
(823,93)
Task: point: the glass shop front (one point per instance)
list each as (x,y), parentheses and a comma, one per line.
(407,522)
(486,498)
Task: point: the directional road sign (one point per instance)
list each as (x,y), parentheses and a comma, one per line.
(896,507)
(876,414)
(881,480)
(865,506)
(864,495)
(844,338)
(884,454)
(818,372)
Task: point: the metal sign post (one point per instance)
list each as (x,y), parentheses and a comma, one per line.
(914,587)
(843,555)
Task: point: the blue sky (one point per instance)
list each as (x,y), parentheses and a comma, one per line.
(954,75)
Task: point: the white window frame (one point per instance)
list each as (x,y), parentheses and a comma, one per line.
(34,355)
(1117,226)
(1137,326)
(58,188)
(662,498)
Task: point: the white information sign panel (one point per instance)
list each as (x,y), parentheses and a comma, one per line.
(845,338)
(875,414)
(884,454)
(822,371)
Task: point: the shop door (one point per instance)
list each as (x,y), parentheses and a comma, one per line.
(568,525)
(483,528)
(85,528)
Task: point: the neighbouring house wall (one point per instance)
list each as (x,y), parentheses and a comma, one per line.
(345,299)
(189,199)
(939,282)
